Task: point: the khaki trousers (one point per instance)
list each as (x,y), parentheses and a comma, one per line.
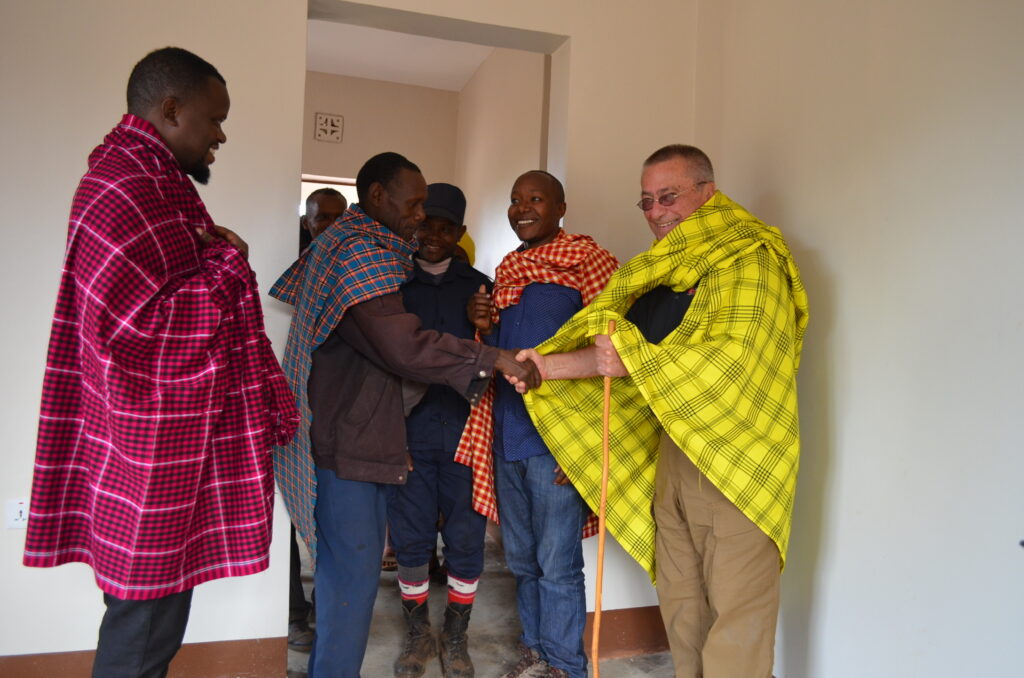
(718,576)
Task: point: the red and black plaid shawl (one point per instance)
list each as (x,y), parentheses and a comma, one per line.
(571,260)
(161,397)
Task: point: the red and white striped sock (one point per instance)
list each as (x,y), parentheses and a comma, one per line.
(414,590)
(462,591)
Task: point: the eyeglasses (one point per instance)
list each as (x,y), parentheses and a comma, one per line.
(666,200)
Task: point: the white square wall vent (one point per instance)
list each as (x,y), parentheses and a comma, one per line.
(329,127)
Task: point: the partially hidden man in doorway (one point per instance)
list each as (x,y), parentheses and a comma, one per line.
(323,207)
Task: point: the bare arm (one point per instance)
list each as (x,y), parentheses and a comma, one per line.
(599,360)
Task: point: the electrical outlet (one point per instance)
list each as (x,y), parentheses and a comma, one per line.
(17,514)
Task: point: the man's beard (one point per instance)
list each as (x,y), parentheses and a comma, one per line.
(200,172)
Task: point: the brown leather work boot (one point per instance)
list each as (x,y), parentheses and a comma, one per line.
(419,643)
(455,661)
(530,665)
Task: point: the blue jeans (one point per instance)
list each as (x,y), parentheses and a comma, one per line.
(350,517)
(541,527)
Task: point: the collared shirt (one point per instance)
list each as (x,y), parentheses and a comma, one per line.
(162,396)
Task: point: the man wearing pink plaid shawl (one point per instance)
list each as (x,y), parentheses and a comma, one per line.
(162,397)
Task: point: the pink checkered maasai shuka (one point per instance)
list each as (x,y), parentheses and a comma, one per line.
(161,397)
(571,260)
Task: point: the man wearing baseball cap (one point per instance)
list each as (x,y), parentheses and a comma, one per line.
(438,291)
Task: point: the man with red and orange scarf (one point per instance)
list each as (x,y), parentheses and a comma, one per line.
(537,288)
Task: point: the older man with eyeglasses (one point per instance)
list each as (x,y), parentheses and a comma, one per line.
(710,322)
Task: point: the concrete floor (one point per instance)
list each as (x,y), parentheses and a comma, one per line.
(493,630)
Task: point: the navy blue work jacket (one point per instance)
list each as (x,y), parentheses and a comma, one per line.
(436,423)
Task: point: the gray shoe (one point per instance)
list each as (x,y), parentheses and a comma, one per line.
(530,665)
(300,636)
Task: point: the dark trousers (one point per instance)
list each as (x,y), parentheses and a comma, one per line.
(438,484)
(298,607)
(139,638)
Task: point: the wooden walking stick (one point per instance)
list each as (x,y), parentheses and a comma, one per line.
(595,642)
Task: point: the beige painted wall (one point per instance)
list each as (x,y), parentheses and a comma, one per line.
(64,67)
(885,138)
(499,137)
(418,122)
(629,88)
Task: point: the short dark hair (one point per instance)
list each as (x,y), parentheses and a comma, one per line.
(381,169)
(559,188)
(167,72)
(311,198)
(697,158)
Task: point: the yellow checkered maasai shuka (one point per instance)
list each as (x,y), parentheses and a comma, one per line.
(723,384)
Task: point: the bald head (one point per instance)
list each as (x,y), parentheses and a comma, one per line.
(556,185)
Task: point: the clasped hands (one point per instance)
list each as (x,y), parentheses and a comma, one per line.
(600,360)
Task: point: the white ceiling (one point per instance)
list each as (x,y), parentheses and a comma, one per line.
(358,51)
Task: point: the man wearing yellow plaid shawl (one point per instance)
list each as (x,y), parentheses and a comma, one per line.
(710,322)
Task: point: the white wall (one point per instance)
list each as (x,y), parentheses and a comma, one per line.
(418,122)
(498,138)
(63,69)
(629,88)
(885,138)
